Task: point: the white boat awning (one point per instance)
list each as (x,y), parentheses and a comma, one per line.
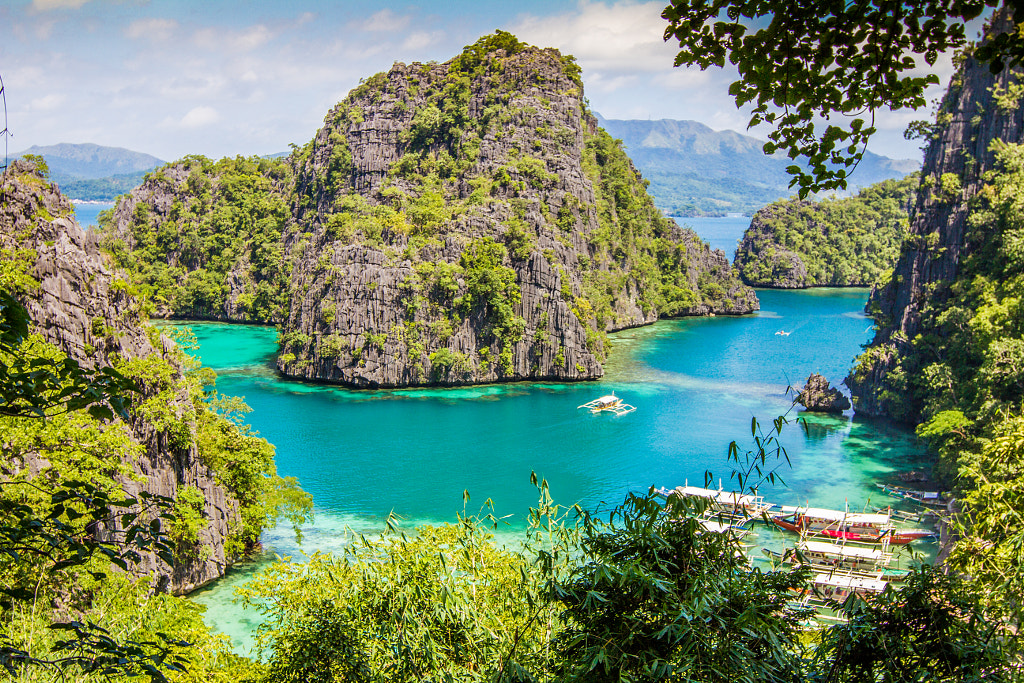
(718,496)
(842,550)
(856,518)
(850,581)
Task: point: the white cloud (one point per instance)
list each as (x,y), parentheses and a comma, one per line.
(46,5)
(604,83)
(622,37)
(683,78)
(252,38)
(199,117)
(44,30)
(47,102)
(386,21)
(422,39)
(158,30)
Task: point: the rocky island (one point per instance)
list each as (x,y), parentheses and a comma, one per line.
(450,223)
(851,242)
(818,397)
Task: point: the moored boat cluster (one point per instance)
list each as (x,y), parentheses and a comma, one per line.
(846,552)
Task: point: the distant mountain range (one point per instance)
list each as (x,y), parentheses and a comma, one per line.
(93,172)
(693,170)
(697,171)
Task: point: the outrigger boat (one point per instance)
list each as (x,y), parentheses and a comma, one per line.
(929,498)
(821,556)
(610,404)
(714,526)
(838,586)
(846,526)
(739,508)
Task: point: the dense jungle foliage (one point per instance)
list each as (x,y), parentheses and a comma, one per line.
(962,380)
(68,607)
(225,220)
(102,189)
(833,242)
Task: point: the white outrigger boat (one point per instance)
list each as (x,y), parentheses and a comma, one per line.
(847,526)
(609,404)
(838,586)
(738,507)
(822,556)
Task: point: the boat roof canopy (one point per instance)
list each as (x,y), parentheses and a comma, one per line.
(849,581)
(842,550)
(719,496)
(866,518)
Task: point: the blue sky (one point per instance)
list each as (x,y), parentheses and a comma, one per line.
(176,77)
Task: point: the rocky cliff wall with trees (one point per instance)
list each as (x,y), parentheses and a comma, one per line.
(450,223)
(174,440)
(948,355)
(958,255)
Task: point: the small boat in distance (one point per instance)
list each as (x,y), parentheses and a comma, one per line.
(783,333)
(609,404)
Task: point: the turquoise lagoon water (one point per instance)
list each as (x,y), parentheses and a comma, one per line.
(697,383)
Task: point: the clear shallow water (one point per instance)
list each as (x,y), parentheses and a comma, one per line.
(696,384)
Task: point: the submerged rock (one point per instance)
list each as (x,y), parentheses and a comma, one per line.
(817,396)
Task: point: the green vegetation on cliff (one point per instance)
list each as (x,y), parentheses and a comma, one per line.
(366,244)
(636,243)
(91,428)
(203,238)
(962,379)
(835,242)
(968,356)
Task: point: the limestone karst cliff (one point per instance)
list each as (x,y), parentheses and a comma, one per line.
(979,114)
(450,223)
(85,309)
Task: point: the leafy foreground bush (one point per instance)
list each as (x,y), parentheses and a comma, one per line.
(638,595)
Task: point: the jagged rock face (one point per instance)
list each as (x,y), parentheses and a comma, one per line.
(957,158)
(817,396)
(83,307)
(450,223)
(532,173)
